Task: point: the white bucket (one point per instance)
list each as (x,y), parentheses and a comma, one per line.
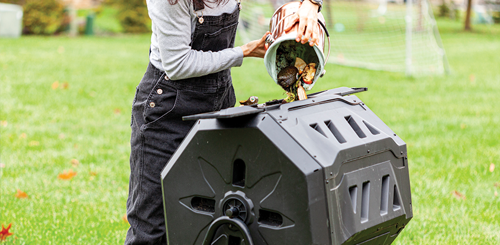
(307,53)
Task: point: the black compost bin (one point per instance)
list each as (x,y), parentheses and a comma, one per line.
(325,170)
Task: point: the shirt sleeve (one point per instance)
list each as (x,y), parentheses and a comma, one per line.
(172,25)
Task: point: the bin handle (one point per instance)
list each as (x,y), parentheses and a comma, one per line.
(231,221)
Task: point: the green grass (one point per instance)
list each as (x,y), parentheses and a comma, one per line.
(450,124)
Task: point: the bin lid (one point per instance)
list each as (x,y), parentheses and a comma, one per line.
(234,112)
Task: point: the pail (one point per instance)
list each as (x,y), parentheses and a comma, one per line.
(279,37)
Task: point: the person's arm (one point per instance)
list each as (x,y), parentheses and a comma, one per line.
(307,16)
(172,25)
(173,33)
(256,48)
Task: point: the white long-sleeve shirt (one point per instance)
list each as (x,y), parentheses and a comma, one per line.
(173,26)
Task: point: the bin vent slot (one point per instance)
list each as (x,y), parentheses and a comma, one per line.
(335,132)
(365,201)
(396,205)
(203,204)
(316,127)
(384,197)
(234,240)
(371,128)
(239,173)
(353,193)
(355,126)
(270,218)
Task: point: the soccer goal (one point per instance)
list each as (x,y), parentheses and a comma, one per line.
(385,35)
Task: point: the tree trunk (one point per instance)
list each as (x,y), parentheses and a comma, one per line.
(467,16)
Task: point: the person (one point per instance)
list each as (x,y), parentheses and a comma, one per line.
(191,53)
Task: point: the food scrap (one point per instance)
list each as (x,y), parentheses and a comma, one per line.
(252,100)
(309,73)
(294,74)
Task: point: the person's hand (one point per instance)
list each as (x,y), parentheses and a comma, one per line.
(255,48)
(307,16)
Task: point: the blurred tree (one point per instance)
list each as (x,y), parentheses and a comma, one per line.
(42,17)
(467,16)
(18,2)
(133,16)
(444,9)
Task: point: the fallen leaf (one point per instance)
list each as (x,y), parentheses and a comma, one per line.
(93,173)
(65,85)
(4,123)
(463,126)
(2,165)
(34,143)
(75,146)
(492,167)
(75,162)
(4,233)
(497,185)
(124,218)
(21,194)
(496,193)
(62,136)
(117,111)
(23,135)
(472,78)
(458,195)
(55,85)
(340,57)
(67,174)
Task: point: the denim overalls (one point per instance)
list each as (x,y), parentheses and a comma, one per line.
(158,129)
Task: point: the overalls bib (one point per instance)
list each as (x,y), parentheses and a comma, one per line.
(158,129)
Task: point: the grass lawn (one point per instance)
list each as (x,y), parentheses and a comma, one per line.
(67,98)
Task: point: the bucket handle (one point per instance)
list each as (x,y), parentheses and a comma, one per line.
(270,40)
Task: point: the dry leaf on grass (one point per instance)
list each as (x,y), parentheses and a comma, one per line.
(4,123)
(55,85)
(117,111)
(67,174)
(65,85)
(2,165)
(4,233)
(23,135)
(62,136)
(463,126)
(21,194)
(497,185)
(458,195)
(492,167)
(472,78)
(496,193)
(93,173)
(124,218)
(75,162)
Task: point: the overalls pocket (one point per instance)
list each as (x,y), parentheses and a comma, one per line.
(214,39)
(161,101)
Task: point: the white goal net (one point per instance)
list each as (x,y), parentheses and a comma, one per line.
(373,34)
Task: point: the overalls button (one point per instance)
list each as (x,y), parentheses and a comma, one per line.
(159,91)
(152,104)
